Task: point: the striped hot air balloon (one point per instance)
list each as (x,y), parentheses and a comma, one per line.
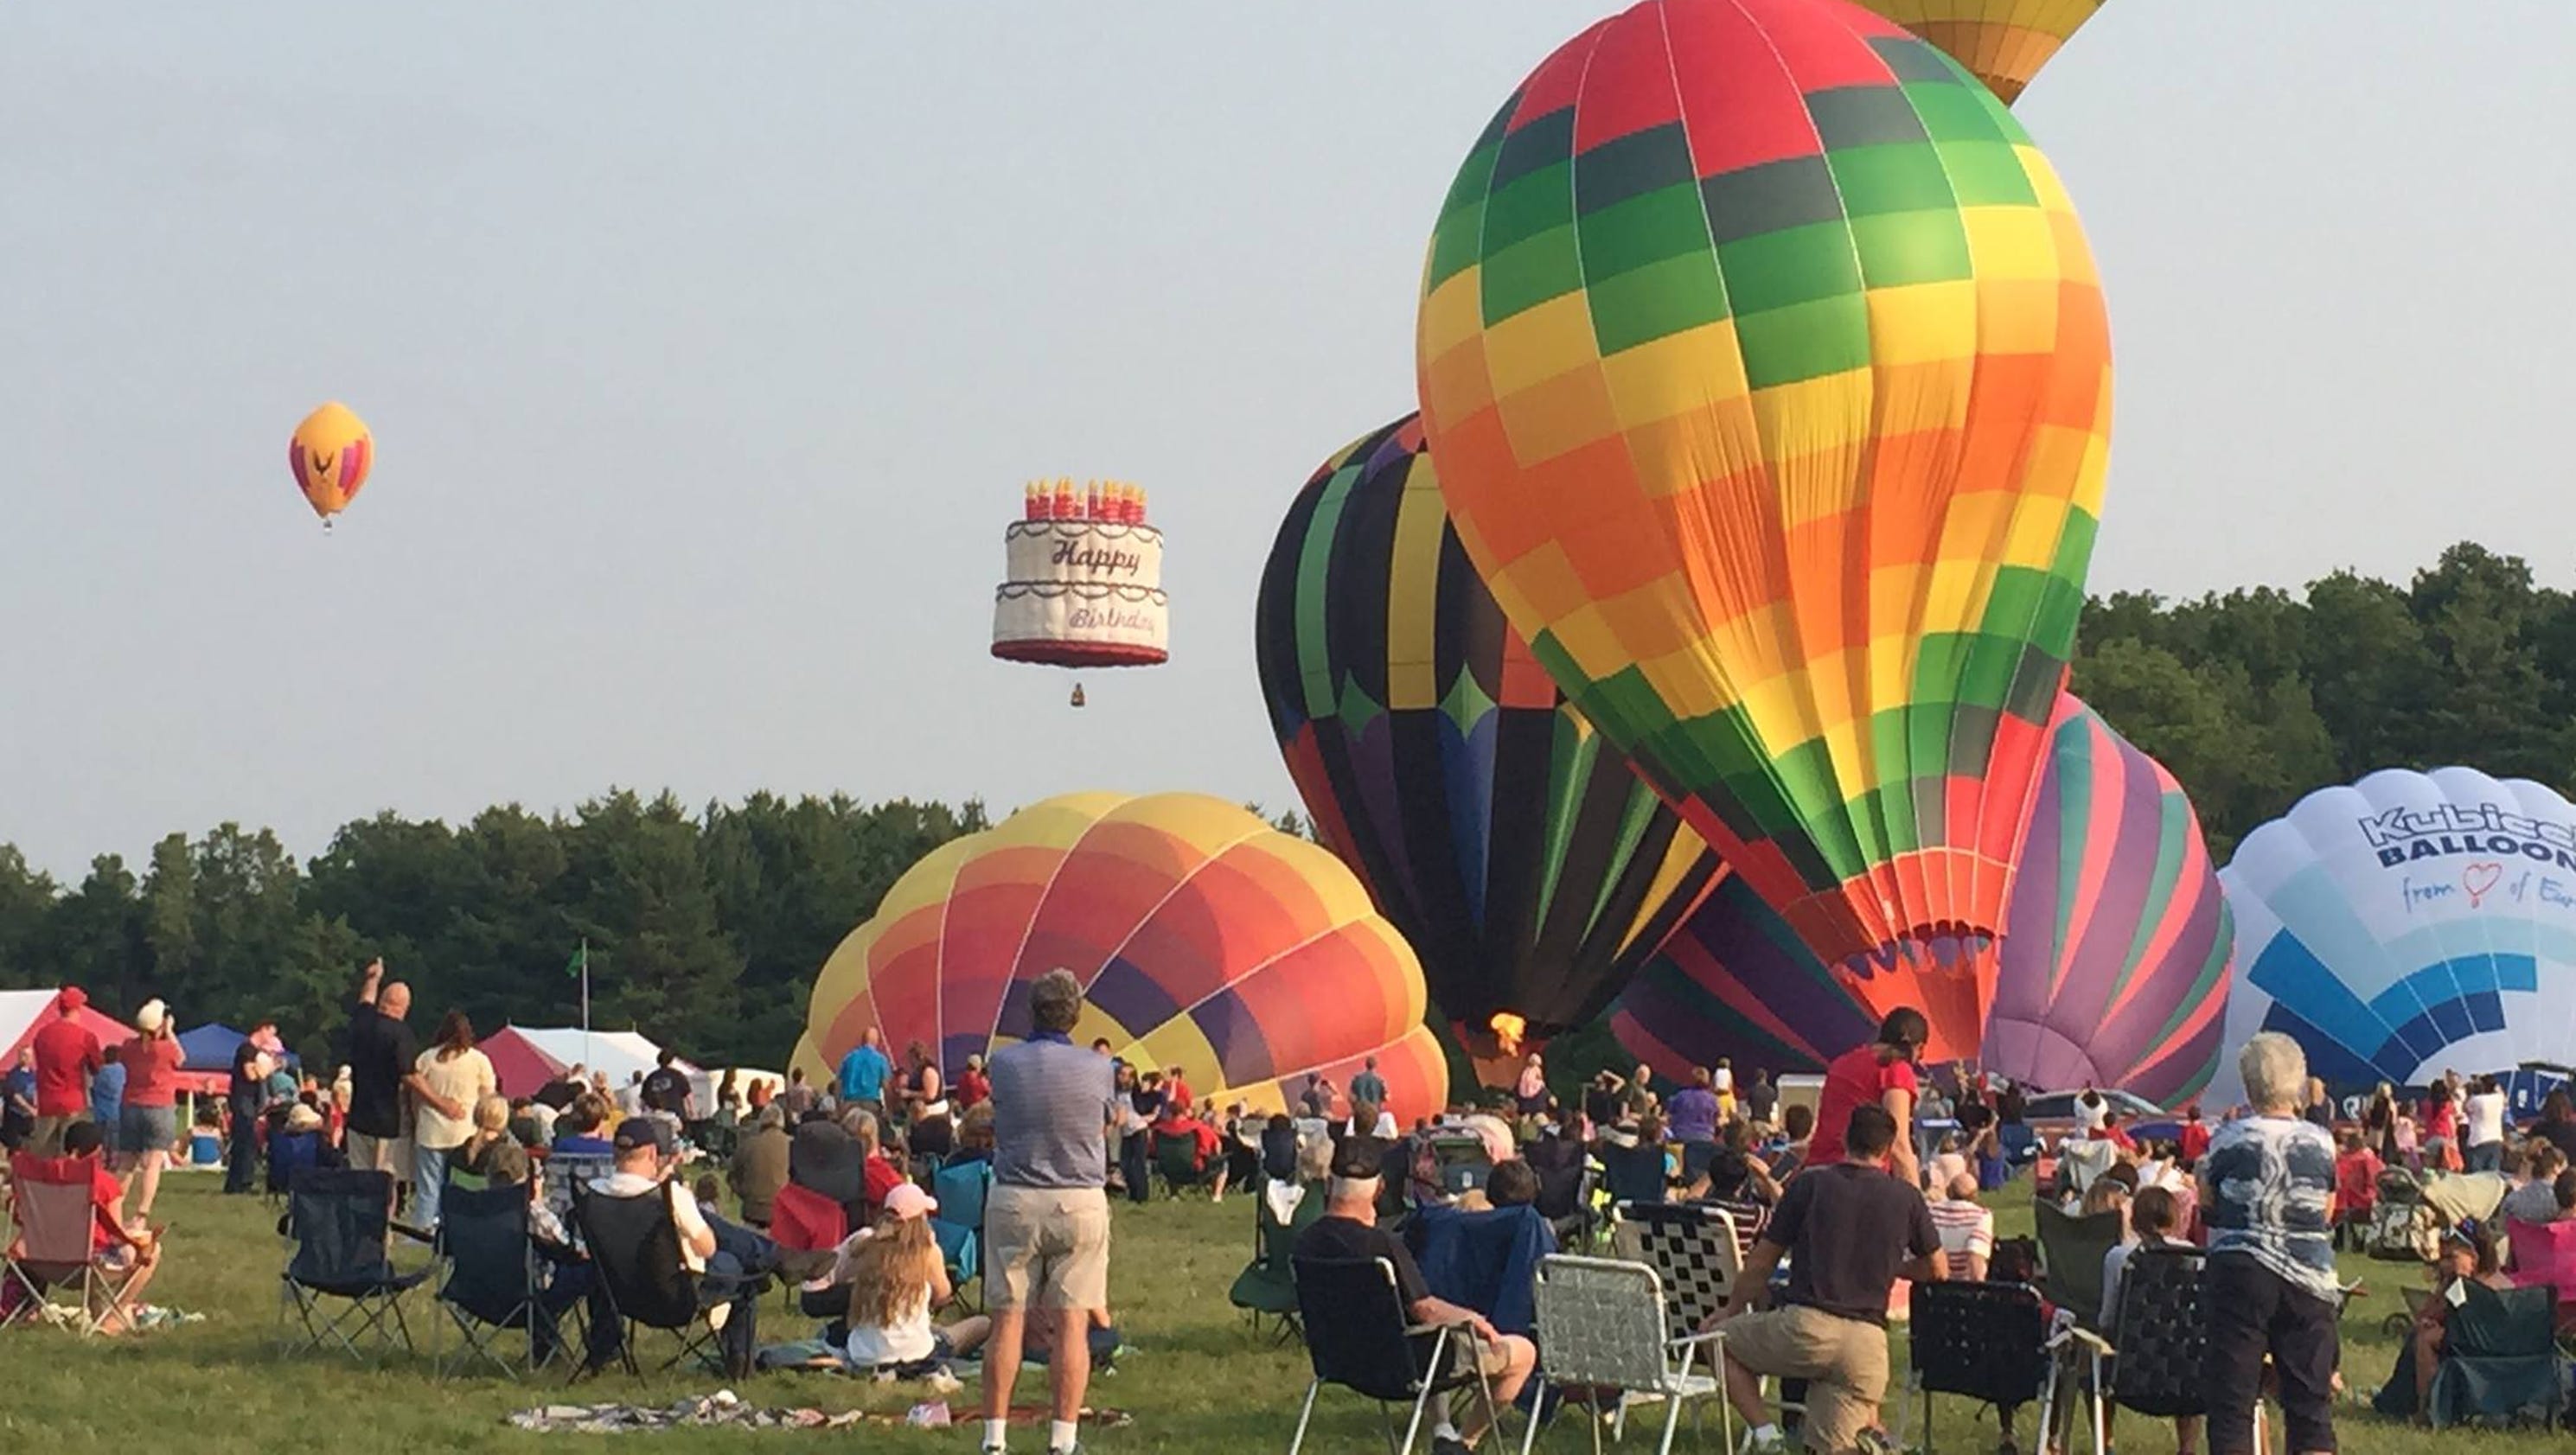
(1203,937)
(1769,379)
(1526,863)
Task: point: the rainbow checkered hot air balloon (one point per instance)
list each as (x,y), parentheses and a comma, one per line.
(2004,42)
(1517,851)
(1769,379)
(1203,937)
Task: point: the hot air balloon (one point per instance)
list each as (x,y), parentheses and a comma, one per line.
(1735,982)
(1769,379)
(2114,964)
(2116,943)
(1204,938)
(330,455)
(1520,856)
(2002,42)
(2407,925)
(1085,581)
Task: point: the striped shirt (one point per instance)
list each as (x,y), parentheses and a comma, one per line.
(1052,1103)
(1967,1229)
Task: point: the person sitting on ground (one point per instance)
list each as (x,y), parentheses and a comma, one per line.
(1349,1230)
(119,1247)
(1849,1232)
(759,1166)
(896,1277)
(580,1131)
(2357,1170)
(1967,1229)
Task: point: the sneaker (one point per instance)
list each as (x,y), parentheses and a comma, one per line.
(1776,1445)
(1450,1445)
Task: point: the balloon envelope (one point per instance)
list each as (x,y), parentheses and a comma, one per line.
(1526,863)
(2116,946)
(2407,925)
(1769,379)
(2002,42)
(1736,982)
(330,456)
(1204,939)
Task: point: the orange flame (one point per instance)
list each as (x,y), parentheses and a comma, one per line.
(1508,1029)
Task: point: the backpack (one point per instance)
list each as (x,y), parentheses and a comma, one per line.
(2403,1233)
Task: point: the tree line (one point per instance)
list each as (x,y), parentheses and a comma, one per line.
(705,928)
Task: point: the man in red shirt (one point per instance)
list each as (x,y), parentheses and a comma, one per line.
(2194,1143)
(66,1058)
(1879,1074)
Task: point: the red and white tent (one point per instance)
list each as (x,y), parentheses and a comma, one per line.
(25,1012)
(525,1058)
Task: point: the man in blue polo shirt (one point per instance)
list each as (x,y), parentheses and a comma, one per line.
(864,1072)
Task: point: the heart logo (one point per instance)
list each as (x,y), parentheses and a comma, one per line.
(2478,878)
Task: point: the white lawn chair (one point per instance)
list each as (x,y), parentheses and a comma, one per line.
(1601,1327)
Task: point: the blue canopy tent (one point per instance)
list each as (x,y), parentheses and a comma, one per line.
(210,1047)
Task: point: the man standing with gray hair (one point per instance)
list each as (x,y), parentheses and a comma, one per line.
(1046,1221)
(2267,1193)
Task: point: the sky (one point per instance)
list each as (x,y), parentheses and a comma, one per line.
(707,349)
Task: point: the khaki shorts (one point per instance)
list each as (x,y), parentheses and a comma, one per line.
(1047,1247)
(1844,1362)
(46,1137)
(380,1154)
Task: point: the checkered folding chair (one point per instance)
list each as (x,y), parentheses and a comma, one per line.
(1602,1333)
(1691,1246)
(495,1282)
(340,1282)
(2162,1335)
(1986,1341)
(53,1246)
(1359,1337)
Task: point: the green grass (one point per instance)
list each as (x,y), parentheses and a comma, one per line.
(1199,1381)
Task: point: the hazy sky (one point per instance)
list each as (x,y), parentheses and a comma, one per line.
(707,348)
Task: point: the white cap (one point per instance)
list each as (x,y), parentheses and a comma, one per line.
(148,1020)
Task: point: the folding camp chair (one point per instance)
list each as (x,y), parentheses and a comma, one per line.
(1987,1341)
(1633,1173)
(2500,1358)
(1267,1286)
(641,1281)
(2162,1335)
(53,1244)
(495,1280)
(288,1154)
(2070,1256)
(566,1175)
(338,1227)
(1358,1336)
(1602,1330)
(1565,1200)
(802,1220)
(961,1192)
(2545,1253)
(1176,1162)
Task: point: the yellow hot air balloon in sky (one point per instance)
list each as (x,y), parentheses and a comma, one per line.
(330,455)
(2004,42)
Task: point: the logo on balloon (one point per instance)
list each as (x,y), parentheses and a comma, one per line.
(2401,835)
(2478,878)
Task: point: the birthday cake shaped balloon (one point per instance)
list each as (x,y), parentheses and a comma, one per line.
(1085,580)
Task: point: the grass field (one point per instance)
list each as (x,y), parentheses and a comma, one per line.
(1198,1381)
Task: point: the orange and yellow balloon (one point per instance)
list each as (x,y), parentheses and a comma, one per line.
(2002,42)
(330,455)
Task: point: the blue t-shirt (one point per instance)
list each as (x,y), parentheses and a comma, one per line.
(863,1074)
(107,1094)
(2270,1181)
(21,1086)
(1052,1102)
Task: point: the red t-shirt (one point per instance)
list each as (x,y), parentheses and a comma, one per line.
(2357,1181)
(66,1054)
(877,1177)
(151,1071)
(2195,1141)
(1857,1078)
(2441,1120)
(973,1087)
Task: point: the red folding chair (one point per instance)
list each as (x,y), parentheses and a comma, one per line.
(56,1246)
(2546,1253)
(802,1220)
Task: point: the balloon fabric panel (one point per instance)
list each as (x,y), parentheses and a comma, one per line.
(2002,42)
(2114,965)
(1736,982)
(1768,376)
(1204,938)
(1518,852)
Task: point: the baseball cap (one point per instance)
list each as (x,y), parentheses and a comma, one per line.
(148,1020)
(643,1131)
(1359,1157)
(71,998)
(906,1200)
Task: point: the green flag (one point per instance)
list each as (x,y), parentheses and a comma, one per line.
(579,962)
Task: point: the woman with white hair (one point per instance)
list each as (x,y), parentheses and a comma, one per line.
(2267,1194)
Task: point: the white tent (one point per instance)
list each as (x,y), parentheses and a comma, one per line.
(621,1054)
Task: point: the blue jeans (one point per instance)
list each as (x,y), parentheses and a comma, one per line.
(2484,1157)
(428,1183)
